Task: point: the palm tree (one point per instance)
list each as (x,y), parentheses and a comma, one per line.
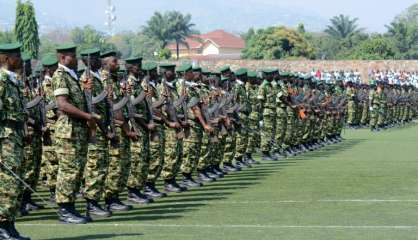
(158,28)
(343,27)
(180,28)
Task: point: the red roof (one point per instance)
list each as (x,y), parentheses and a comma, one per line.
(220,38)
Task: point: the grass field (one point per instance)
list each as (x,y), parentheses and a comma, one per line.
(363,188)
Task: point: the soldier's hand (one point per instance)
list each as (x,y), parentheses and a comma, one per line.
(208,128)
(87,84)
(151,126)
(175,125)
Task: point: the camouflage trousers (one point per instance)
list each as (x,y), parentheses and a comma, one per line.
(72,157)
(157,149)
(118,168)
(219,150)
(281,125)
(242,137)
(192,147)
(253,140)
(290,128)
(32,158)
(267,131)
(140,158)
(96,168)
(50,159)
(365,114)
(351,110)
(172,155)
(230,148)
(11,156)
(206,151)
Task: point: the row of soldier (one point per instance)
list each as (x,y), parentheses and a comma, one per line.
(380,105)
(104,130)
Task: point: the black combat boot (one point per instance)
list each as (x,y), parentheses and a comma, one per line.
(14,233)
(94,209)
(68,214)
(152,192)
(134,195)
(188,181)
(30,204)
(114,204)
(170,185)
(203,177)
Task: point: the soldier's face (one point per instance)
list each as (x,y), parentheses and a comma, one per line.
(189,76)
(169,75)
(14,61)
(113,64)
(68,59)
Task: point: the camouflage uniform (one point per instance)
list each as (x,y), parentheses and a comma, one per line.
(253,118)
(71,137)
(98,153)
(281,122)
(243,133)
(119,162)
(268,108)
(139,149)
(12,118)
(48,155)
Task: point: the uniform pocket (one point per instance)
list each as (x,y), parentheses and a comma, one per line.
(63,128)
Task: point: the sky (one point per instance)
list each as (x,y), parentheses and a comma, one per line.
(131,14)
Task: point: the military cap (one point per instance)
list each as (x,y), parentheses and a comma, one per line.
(241,71)
(252,74)
(49,60)
(184,68)
(284,74)
(149,66)
(205,71)
(110,53)
(25,57)
(197,69)
(223,78)
(268,70)
(166,66)
(133,60)
(10,48)
(224,69)
(66,47)
(90,52)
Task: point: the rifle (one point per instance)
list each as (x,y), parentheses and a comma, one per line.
(149,108)
(170,109)
(131,110)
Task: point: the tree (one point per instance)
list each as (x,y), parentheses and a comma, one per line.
(277,43)
(88,37)
(180,27)
(375,48)
(342,27)
(26,28)
(168,27)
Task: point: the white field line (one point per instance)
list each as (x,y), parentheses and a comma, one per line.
(293,201)
(402,227)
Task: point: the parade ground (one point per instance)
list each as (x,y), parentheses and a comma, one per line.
(363,188)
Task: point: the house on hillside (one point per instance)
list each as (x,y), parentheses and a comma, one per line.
(217,44)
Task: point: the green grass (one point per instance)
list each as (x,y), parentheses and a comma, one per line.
(363,188)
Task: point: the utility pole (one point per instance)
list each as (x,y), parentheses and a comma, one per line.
(111,17)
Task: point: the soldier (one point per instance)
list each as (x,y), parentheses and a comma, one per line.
(281,120)
(118,168)
(98,148)
(140,149)
(33,148)
(268,108)
(255,115)
(193,143)
(50,65)
(71,133)
(12,134)
(173,132)
(157,138)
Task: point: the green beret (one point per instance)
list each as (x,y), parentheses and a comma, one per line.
(149,66)
(275,70)
(268,70)
(224,69)
(25,57)
(166,66)
(241,71)
(372,82)
(197,69)
(284,74)
(133,60)
(205,71)
(184,68)
(109,53)
(90,52)
(10,48)
(66,47)
(224,78)
(49,60)
(252,74)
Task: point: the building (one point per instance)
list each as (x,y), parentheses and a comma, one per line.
(217,44)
